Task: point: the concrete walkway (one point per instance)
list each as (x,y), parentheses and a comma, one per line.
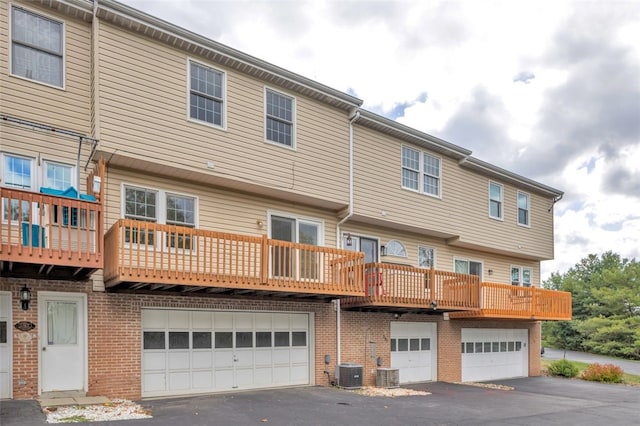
(61,399)
(631,367)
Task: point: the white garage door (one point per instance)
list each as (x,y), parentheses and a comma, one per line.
(5,344)
(202,351)
(413,351)
(491,354)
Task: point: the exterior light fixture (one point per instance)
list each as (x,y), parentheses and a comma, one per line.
(434,305)
(490,271)
(25,298)
(397,315)
(349,240)
(383,250)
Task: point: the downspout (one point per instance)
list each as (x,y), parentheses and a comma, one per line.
(339,239)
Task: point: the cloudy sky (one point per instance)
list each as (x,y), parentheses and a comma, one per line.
(547,89)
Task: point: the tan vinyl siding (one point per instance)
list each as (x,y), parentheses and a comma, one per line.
(143,114)
(444,253)
(463,209)
(68,107)
(218,210)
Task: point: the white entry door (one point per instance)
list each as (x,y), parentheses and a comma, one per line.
(492,353)
(6,356)
(62,341)
(413,351)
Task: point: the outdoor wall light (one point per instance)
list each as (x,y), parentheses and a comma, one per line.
(260,223)
(349,240)
(434,305)
(490,271)
(397,315)
(25,298)
(383,250)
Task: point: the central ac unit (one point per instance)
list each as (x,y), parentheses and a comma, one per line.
(388,378)
(350,376)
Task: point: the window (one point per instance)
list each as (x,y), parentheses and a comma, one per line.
(280,118)
(140,204)
(396,248)
(471,267)
(290,262)
(180,212)
(420,171)
(206,95)
(368,246)
(523,209)
(17,172)
(426,257)
(495,200)
(36,47)
(58,176)
(521,276)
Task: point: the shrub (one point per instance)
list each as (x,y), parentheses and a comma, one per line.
(563,368)
(607,373)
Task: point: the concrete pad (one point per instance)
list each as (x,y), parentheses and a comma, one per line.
(57,402)
(91,400)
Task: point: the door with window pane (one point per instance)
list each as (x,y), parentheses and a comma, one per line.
(287,260)
(62,341)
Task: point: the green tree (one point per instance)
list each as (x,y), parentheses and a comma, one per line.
(605,293)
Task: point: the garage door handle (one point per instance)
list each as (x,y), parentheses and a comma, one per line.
(235,358)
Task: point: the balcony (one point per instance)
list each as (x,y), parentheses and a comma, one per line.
(406,288)
(530,303)
(49,237)
(148,256)
(397,288)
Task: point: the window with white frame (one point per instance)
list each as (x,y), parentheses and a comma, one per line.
(421,171)
(280,114)
(465,266)
(495,200)
(206,94)
(287,261)
(523,209)
(58,176)
(17,172)
(521,276)
(36,47)
(147,205)
(426,257)
(396,248)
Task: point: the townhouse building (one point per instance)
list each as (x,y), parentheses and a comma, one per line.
(179,217)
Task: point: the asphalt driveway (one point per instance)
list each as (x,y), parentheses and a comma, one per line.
(535,401)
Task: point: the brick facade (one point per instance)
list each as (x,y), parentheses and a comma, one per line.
(115,333)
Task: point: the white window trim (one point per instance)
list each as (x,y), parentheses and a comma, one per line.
(524,225)
(426,246)
(161,209)
(406,252)
(294,108)
(501,217)
(521,270)
(421,173)
(34,170)
(64,46)
(224,95)
(43,172)
(467,259)
(297,218)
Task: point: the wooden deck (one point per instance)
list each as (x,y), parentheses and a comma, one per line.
(397,288)
(149,256)
(47,236)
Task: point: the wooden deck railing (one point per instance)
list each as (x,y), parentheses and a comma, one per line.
(145,252)
(407,286)
(50,231)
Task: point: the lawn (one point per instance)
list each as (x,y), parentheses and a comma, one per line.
(628,379)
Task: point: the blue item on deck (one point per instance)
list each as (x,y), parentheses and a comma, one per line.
(70,192)
(37,235)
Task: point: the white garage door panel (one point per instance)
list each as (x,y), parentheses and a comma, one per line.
(200,351)
(492,354)
(414,351)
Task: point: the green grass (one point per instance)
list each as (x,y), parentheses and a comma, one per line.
(75,419)
(628,379)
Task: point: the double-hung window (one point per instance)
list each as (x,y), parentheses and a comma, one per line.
(523,209)
(521,276)
(206,94)
(280,114)
(36,47)
(181,212)
(58,176)
(421,172)
(426,257)
(17,172)
(142,205)
(495,200)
